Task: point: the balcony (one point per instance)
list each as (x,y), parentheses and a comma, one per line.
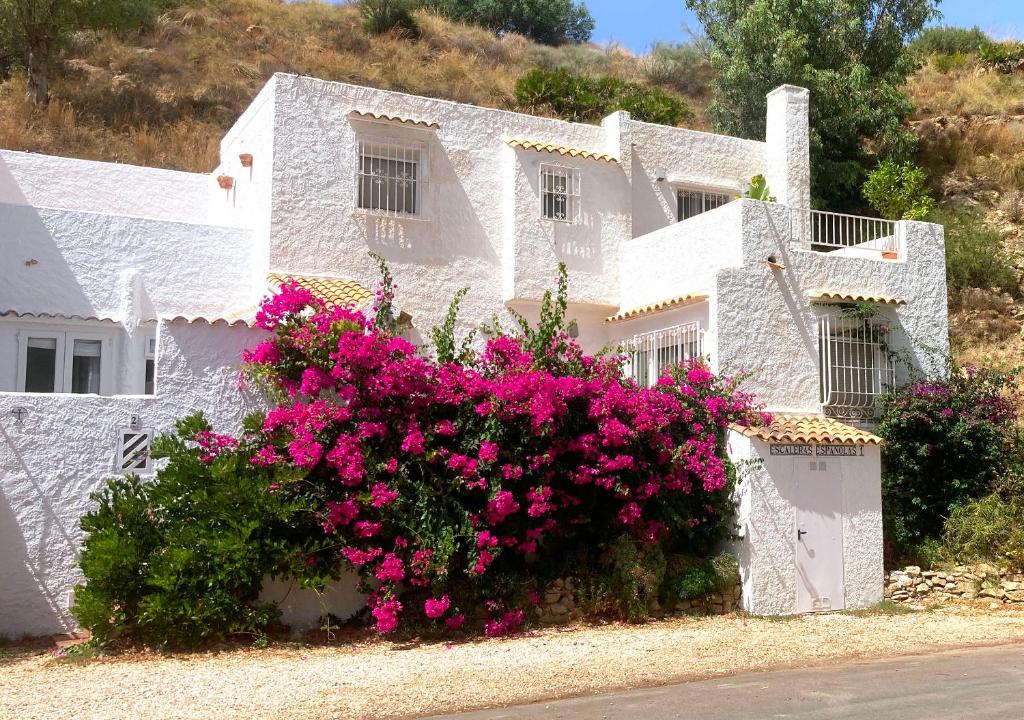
(846,235)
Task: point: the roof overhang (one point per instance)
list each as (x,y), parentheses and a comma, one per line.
(657,307)
(562,150)
(839,296)
(808,429)
(393,119)
(332,290)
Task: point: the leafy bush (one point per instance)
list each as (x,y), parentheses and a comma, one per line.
(629,579)
(974,253)
(453,488)
(180,560)
(946,441)
(691,578)
(1001,55)
(948,40)
(897,191)
(546,21)
(381,16)
(680,66)
(990,528)
(951,62)
(580,98)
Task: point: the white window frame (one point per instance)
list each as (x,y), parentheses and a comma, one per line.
(679,343)
(853,372)
(704,191)
(65,338)
(573,192)
(149,348)
(24,335)
(143,463)
(381,147)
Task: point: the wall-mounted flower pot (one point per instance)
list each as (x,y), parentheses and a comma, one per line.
(890,255)
(226,182)
(246,159)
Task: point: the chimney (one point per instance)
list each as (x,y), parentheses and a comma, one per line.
(788,167)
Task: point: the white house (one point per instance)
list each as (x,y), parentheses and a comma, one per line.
(126,297)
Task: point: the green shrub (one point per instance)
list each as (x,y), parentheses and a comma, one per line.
(990,528)
(948,40)
(691,578)
(381,16)
(974,253)
(946,441)
(630,578)
(897,191)
(547,21)
(679,66)
(581,98)
(1001,55)
(180,560)
(951,62)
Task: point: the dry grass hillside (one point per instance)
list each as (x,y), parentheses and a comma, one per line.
(165,94)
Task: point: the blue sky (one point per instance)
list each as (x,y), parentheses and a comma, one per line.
(639,23)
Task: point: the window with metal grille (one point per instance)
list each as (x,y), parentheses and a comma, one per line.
(133,451)
(694,202)
(650,353)
(150,379)
(390,178)
(560,193)
(856,366)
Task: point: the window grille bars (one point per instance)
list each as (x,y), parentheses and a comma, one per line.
(560,194)
(650,353)
(855,368)
(390,179)
(690,203)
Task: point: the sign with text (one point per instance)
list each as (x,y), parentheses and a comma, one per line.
(817,450)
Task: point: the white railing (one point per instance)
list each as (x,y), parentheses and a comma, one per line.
(856,368)
(652,352)
(829,231)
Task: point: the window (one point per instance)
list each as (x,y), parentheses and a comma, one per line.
(41,365)
(559,193)
(390,178)
(650,353)
(62,362)
(694,202)
(856,367)
(133,451)
(150,381)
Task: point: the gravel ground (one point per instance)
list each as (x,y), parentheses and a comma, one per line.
(386,680)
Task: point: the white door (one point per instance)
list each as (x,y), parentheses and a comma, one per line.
(819,536)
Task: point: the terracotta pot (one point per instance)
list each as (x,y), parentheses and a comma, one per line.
(226,182)
(890,255)
(246,159)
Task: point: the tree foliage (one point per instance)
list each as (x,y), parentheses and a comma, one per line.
(582,98)
(897,191)
(38,28)
(851,55)
(948,40)
(546,21)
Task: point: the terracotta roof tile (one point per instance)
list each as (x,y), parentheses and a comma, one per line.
(383,117)
(227,319)
(334,291)
(661,306)
(809,429)
(838,296)
(561,150)
(55,316)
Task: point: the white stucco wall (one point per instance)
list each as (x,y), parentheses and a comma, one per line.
(64,449)
(768,502)
(766,323)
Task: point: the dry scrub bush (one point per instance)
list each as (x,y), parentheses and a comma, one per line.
(962,92)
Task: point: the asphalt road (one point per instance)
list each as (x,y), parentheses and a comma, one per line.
(978,683)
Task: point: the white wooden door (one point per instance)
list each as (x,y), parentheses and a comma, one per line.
(819,536)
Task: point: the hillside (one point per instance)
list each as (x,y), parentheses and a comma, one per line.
(165,94)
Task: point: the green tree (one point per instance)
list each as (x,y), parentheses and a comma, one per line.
(547,21)
(38,28)
(897,191)
(851,55)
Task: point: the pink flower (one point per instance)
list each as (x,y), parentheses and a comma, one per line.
(382,495)
(391,569)
(436,607)
(385,614)
(488,452)
(455,621)
(503,505)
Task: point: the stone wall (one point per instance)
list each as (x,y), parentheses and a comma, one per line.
(912,585)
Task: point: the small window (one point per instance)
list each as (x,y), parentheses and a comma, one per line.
(855,365)
(41,365)
(133,451)
(150,387)
(559,193)
(85,366)
(390,178)
(650,353)
(694,202)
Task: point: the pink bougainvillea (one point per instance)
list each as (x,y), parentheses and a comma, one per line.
(433,477)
